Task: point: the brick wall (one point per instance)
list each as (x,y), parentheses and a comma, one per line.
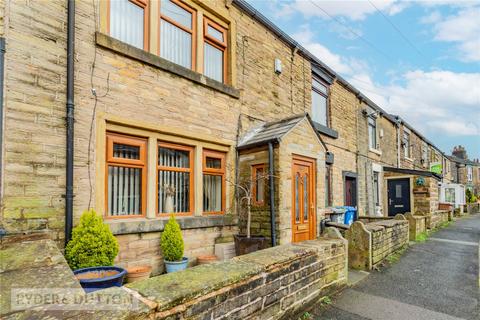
(272,283)
(417,225)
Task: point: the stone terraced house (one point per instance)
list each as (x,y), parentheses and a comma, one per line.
(168,97)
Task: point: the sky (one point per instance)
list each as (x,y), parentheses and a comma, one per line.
(416,59)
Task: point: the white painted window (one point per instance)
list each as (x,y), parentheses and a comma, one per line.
(469,173)
(406,144)
(372,132)
(319,101)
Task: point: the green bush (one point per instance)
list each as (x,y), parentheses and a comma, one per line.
(172,241)
(470,196)
(92,243)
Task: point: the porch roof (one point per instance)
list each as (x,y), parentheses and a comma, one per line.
(413,172)
(274,131)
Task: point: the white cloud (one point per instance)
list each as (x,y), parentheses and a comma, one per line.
(352,9)
(437,103)
(462,28)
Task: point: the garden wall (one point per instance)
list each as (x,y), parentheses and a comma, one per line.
(417,225)
(275,282)
(369,244)
(436,218)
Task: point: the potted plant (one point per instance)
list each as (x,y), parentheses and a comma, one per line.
(172,246)
(246,243)
(91,252)
(138,273)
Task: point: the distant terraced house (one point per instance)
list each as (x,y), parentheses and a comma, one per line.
(150,108)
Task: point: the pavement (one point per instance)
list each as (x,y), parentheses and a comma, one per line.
(434,280)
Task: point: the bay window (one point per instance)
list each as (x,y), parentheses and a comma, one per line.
(213,181)
(128,21)
(319,101)
(177,22)
(175,179)
(126,175)
(214,55)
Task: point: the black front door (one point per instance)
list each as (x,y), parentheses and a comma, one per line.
(398,196)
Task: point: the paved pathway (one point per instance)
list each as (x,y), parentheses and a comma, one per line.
(434,280)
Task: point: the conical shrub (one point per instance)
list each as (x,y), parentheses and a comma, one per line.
(92,243)
(172,241)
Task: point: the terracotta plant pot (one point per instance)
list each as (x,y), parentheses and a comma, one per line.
(206,259)
(138,273)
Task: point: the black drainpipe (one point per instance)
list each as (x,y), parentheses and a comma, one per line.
(70,120)
(2,71)
(272,195)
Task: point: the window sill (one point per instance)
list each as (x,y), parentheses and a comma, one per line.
(375,151)
(408,159)
(143,225)
(326,130)
(127,50)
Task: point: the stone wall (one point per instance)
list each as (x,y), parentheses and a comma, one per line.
(139,249)
(260,213)
(369,244)
(417,225)
(425,198)
(271,283)
(437,218)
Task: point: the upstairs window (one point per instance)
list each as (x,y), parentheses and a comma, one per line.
(128,22)
(469,173)
(319,101)
(372,132)
(215,48)
(406,144)
(259,178)
(126,175)
(177,25)
(175,179)
(213,181)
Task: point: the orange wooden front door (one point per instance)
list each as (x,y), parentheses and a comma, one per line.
(303,198)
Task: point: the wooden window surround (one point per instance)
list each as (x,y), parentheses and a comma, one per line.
(192,31)
(218,170)
(259,178)
(177,169)
(144,4)
(221,45)
(139,145)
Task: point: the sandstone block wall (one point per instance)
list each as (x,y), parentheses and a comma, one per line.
(417,225)
(369,244)
(139,249)
(437,218)
(271,283)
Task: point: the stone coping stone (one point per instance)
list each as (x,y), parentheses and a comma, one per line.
(388,223)
(141,225)
(172,289)
(280,255)
(29,254)
(137,309)
(49,276)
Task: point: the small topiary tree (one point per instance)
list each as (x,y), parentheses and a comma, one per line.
(92,243)
(172,241)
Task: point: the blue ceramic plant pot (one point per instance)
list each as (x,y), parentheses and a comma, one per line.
(97,278)
(173,266)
